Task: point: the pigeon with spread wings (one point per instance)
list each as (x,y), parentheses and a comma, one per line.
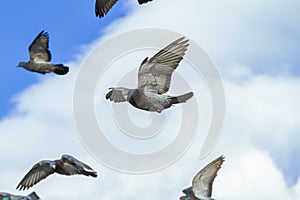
(202,183)
(103,6)
(8,196)
(40,57)
(154,79)
(67,165)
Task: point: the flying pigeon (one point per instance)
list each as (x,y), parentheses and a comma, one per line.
(67,165)
(103,6)
(40,57)
(7,196)
(202,183)
(154,79)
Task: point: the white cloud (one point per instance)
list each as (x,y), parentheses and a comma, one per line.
(261,125)
(253,175)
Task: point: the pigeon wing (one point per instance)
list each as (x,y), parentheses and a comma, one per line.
(74,162)
(155,73)
(117,94)
(202,182)
(38,49)
(37,173)
(103,6)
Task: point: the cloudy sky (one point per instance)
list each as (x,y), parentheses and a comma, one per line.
(254,46)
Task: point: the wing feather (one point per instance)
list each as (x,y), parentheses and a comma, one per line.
(202,182)
(155,73)
(38,49)
(37,173)
(117,94)
(103,6)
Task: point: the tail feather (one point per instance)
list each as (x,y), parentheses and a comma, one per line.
(181,99)
(61,69)
(34,196)
(90,173)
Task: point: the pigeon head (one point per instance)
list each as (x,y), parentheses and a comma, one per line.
(22,64)
(53,164)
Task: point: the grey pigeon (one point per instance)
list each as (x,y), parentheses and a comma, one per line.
(67,165)
(202,183)
(154,79)
(40,57)
(7,196)
(103,6)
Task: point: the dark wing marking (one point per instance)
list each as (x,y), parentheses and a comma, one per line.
(155,73)
(38,49)
(202,182)
(143,1)
(37,173)
(103,6)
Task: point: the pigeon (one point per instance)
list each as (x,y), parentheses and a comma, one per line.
(154,77)
(40,57)
(7,196)
(67,165)
(103,6)
(202,183)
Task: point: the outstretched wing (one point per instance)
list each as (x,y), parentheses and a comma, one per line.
(155,74)
(117,94)
(103,6)
(37,173)
(143,1)
(38,49)
(202,182)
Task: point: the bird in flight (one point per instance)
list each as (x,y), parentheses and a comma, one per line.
(154,77)
(103,6)
(40,57)
(203,181)
(67,165)
(7,196)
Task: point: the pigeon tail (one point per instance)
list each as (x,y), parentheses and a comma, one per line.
(91,173)
(34,196)
(181,99)
(61,69)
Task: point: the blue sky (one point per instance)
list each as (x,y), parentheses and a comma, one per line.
(70,25)
(255,46)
